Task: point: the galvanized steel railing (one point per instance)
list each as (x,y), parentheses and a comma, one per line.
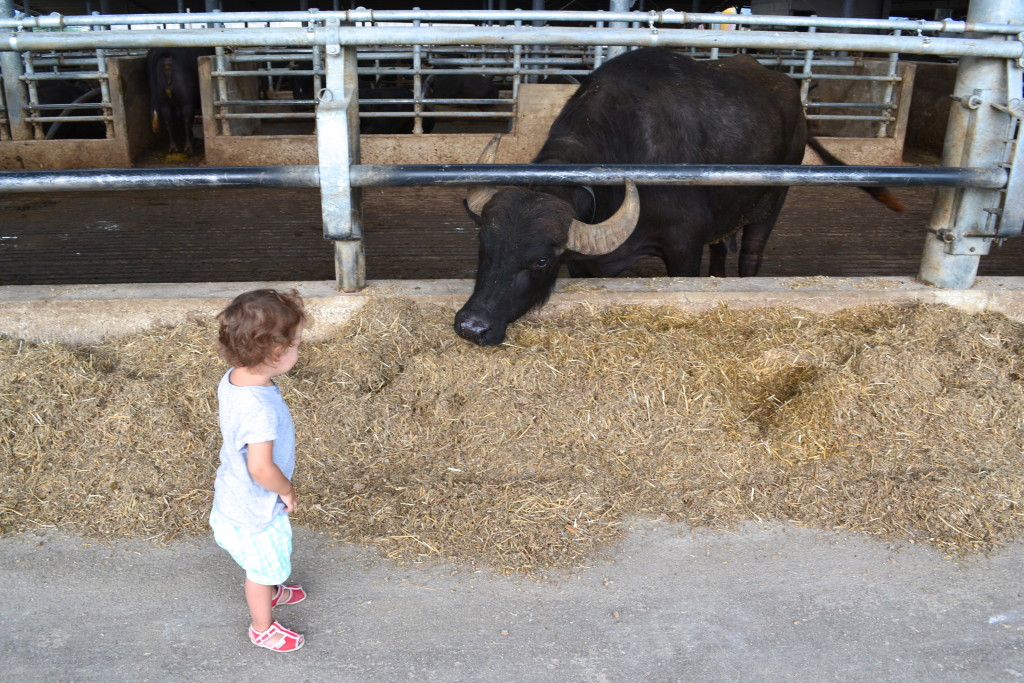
(512,63)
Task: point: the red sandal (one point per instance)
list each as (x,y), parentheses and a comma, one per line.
(288,640)
(296,594)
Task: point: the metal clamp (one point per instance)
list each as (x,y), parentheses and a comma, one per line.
(651,17)
(332,29)
(970,101)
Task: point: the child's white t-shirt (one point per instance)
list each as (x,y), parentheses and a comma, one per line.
(248,415)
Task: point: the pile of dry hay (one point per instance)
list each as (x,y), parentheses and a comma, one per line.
(903,422)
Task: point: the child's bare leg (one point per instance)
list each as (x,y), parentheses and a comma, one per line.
(258,598)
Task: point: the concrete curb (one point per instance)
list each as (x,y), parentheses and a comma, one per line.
(85,314)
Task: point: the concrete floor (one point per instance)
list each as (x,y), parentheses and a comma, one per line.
(760,604)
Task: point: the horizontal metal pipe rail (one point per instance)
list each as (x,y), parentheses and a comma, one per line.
(315,33)
(405,175)
(491,35)
(666,17)
(495,65)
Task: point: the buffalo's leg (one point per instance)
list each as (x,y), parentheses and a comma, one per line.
(719,255)
(755,237)
(683,259)
(165,114)
(718,251)
(188,115)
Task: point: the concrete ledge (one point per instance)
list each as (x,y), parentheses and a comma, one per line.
(89,313)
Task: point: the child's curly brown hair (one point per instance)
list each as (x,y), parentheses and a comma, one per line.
(257,325)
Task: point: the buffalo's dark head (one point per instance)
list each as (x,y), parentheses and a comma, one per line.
(523,236)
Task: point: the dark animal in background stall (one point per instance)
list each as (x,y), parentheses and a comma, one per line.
(561,80)
(302,84)
(460,87)
(174,93)
(648,106)
(69,93)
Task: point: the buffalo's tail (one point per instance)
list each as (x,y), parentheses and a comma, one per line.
(160,70)
(881,194)
(167,65)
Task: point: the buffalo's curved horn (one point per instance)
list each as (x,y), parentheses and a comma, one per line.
(601,238)
(479,195)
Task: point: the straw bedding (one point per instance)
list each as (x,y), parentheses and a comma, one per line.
(901,422)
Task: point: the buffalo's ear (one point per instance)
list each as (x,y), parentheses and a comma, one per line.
(476,217)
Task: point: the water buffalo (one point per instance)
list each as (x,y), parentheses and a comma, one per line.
(648,106)
(174,93)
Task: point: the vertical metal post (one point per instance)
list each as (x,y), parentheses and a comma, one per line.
(337,127)
(538,6)
(517,64)
(537,51)
(28,70)
(808,73)
(318,67)
(963,220)
(104,81)
(417,85)
(889,97)
(618,6)
(14,91)
(221,63)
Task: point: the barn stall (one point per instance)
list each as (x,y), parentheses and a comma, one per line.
(788,400)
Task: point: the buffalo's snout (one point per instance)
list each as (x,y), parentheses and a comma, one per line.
(477,330)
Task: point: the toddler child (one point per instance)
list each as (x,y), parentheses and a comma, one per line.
(259,337)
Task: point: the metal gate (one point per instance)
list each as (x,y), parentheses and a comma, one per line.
(981,202)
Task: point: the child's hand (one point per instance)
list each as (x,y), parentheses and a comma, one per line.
(268,475)
(290,501)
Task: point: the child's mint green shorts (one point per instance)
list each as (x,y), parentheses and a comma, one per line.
(266,556)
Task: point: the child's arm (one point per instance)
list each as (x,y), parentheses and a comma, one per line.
(268,475)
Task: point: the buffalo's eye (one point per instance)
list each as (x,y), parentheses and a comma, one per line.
(540,264)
